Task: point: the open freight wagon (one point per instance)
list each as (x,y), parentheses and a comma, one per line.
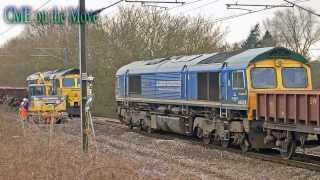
(296,113)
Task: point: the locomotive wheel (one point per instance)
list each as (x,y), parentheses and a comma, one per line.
(199,133)
(142,125)
(288,148)
(225,143)
(216,139)
(206,140)
(244,144)
(149,130)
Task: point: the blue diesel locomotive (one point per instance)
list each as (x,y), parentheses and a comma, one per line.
(211,96)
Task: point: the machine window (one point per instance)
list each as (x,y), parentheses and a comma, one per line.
(263,78)
(37,91)
(68,82)
(237,80)
(294,77)
(56,85)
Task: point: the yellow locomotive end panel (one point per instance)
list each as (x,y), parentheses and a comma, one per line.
(278,65)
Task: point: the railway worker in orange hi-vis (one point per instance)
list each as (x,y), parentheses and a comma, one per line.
(23,110)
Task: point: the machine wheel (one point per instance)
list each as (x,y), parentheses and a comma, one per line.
(244,144)
(288,148)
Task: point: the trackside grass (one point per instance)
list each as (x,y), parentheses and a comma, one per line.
(33,156)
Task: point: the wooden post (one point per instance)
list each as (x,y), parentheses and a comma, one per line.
(83,80)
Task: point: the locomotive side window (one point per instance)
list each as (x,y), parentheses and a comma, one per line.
(294,77)
(203,86)
(208,86)
(134,85)
(237,80)
(214,86)
(263,78)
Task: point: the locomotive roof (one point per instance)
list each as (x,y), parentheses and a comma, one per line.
(212,61)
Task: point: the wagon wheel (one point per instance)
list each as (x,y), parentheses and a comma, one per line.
(318,138)
(288,148)
(244,144)
(130,124)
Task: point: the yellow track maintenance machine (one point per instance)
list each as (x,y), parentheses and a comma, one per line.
(43,106)
(66,82)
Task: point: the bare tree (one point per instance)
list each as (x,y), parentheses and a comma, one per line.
(294,29)
(131,34)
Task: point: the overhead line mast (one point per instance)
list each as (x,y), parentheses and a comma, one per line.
(83,79)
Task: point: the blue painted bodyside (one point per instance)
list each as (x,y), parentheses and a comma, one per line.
(229,94)
(162,85)
(176,78)
(192,88)
(183,85)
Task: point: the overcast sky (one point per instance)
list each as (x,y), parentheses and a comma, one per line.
(237,28)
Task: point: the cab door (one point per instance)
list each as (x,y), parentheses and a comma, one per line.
(237,88)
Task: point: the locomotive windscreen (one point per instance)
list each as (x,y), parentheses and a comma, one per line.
(295,77)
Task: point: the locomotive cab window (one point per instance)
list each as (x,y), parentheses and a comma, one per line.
(294,77)
(134,85)
(237,80)
(263,77)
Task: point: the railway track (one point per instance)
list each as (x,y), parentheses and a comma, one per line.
(305,161)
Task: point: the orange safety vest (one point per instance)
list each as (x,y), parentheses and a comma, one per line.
(23,113)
